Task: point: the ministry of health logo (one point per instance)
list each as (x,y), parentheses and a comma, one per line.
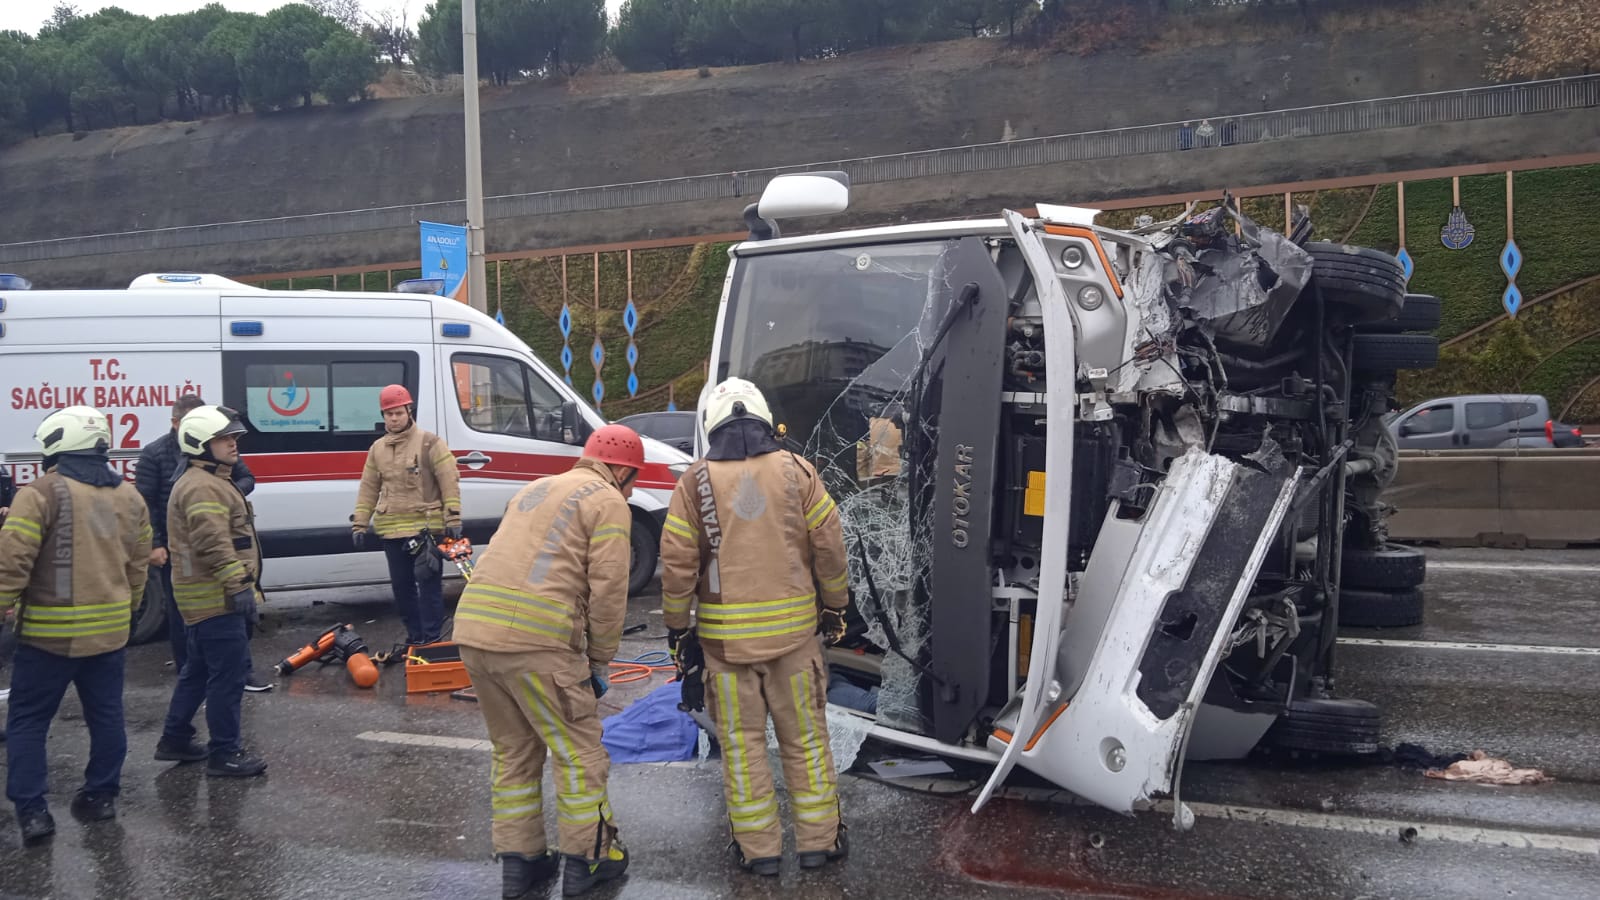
(295,400)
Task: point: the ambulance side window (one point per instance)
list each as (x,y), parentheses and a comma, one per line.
(298,401)
(499,395)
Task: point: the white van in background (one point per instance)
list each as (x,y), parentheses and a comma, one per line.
(304,368)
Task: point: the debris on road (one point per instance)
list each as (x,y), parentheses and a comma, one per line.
(1481,768)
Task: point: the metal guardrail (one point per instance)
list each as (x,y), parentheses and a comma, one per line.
(1582,92)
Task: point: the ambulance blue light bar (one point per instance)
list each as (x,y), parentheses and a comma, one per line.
(456,329)
(421,286)
(246,329)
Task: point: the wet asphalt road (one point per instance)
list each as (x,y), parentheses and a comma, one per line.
(345,815)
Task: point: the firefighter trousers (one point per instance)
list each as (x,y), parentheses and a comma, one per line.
(792,689)
(533,702)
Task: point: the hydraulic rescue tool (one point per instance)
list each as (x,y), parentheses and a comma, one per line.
(458,551)
(338,644)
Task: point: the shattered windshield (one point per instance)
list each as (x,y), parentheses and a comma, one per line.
(833,337)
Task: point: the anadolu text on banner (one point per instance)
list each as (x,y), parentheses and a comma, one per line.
(444,256)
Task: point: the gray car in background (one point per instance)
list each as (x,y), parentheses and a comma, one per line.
(675,429)
(1478,421)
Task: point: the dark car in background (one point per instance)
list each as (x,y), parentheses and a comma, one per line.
(675,428)
(1480,421)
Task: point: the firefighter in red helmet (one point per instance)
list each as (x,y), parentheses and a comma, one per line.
(538,627)
(410,494)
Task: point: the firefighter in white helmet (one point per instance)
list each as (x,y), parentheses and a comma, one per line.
(753,544)
(216,572)
(72,559)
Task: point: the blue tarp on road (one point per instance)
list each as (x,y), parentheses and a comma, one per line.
(652,729)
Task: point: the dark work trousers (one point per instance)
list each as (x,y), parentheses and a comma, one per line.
(421,603)
(178,633)
(214,675)
(38,682)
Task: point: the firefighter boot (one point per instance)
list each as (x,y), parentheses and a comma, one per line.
(520,874)
(168,750)
(35,826)
(237,764)
(582,874)
(816,859)
(92,807)
(766,866)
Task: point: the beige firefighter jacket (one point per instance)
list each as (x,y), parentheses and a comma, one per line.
(409,484)
(74,557)
(555,575)
(755,541)
(211,534)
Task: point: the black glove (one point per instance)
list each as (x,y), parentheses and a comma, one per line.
(832,626)
(690,662)
(692,697)
(358,538)
(453,532)
(428,564)
(244,603)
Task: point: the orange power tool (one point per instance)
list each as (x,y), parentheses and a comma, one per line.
(458,551)
(338,644)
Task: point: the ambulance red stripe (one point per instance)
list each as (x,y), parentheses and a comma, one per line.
(345,465)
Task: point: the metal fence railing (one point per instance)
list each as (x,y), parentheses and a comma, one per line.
(1471,104)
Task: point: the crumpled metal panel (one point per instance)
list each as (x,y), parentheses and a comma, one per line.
(1244,287)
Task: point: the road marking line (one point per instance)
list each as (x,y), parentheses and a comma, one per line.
(413,823)
(1479,647)
(1395,828)
(424,740)
(442,742)
(1511,567)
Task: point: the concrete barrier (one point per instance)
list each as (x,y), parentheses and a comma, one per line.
(1504,498)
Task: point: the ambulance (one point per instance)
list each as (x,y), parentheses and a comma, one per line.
(304,369)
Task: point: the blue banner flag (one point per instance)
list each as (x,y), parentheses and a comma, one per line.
(444,255)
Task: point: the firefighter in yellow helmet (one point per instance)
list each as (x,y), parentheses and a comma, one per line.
(72,558)
(538,627)
(753,542)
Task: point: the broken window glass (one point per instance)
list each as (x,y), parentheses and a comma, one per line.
(834,336)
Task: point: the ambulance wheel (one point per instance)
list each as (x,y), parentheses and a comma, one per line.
(150,619)
(645,539)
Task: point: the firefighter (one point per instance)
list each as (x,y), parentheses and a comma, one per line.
(410,491)
(160,462)
(752,540)
(216,567)
(538,626)
(72,557)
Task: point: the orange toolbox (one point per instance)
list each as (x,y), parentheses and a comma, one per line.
(435,667)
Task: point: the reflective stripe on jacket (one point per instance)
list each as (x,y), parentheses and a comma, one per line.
(756,542)
(410,484)
(211,535)
(555,575)
(74,557)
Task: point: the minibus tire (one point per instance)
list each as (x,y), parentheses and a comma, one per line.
(150,619)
